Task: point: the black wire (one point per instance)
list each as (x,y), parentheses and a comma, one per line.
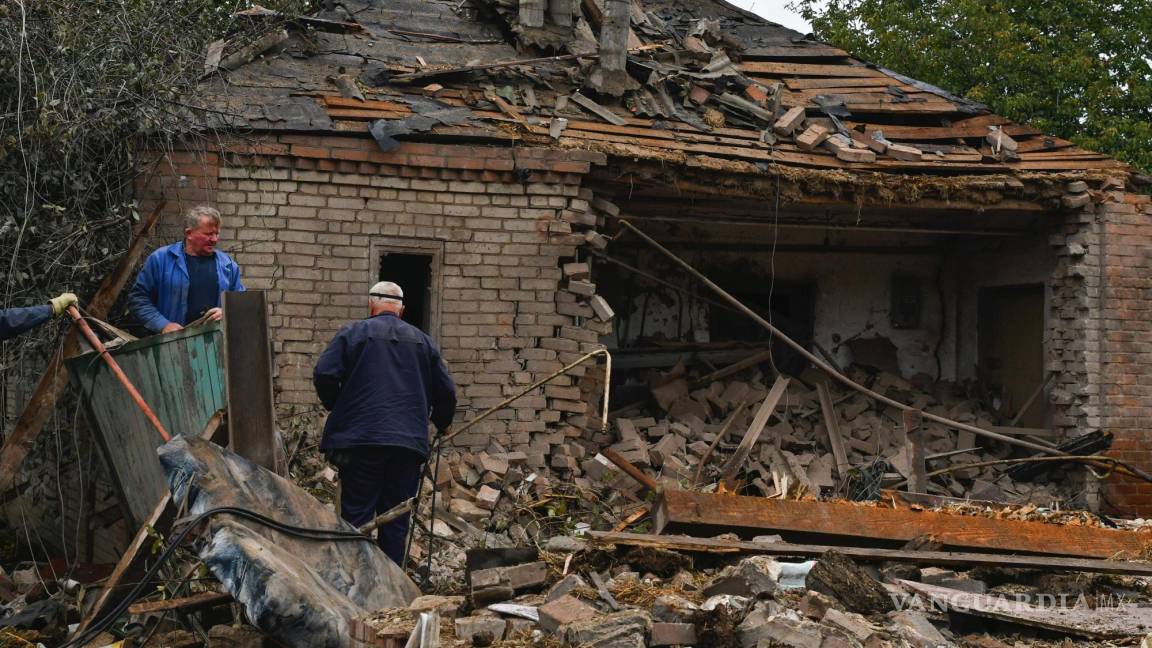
(432,513)
(144,583)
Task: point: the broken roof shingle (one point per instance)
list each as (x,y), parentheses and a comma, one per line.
(731,50)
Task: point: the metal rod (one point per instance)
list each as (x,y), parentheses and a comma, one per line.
(846,381)
(387,516)
(1031,399)
(118,372)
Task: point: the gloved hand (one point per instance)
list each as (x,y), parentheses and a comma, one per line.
(62,302)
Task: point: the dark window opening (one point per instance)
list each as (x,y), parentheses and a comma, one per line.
(790,308)
(413,273)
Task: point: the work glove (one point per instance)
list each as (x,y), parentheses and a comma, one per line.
(62,302)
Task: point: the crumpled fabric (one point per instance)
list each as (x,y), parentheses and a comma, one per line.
(303,593)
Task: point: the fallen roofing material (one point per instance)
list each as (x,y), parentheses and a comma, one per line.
(302,592)
(702,513)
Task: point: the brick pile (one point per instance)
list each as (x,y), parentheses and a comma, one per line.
(307,217)
(600,597)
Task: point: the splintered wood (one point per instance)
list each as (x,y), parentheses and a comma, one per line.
(814,438)
(708,514)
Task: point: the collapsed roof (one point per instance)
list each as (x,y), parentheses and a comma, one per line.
(682,83)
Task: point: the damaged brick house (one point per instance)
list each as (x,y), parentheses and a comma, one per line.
(480,152)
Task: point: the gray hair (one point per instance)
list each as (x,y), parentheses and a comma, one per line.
(386,288)
(198,213)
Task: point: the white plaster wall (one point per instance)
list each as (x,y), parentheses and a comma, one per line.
(852,296)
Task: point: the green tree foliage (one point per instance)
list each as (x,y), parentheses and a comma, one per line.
(79,82)
(1078,69)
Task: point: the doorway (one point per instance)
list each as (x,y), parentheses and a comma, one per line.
(413,273)
(1011,347)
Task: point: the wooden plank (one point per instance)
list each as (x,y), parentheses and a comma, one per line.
(161,368)
(914,437)
(40,406)
(160,520)
(845,82)
(724,372)
(366,114)
(866,94)
(1023,431)
(248,373)
(915,133)
(184,604)
(868,554)
(633,518)
(736,461)
(346,102)
(832,424)
(1100,622)
(1043,143)
(810,69)
(814,50)
(848,523)
(163,513)
(630,469)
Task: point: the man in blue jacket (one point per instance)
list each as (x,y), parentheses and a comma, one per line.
(382,379)
(14,321)
(182,282)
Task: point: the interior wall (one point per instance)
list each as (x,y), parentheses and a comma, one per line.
(987,263)
(851,299)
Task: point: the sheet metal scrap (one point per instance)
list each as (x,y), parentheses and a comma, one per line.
(429,114)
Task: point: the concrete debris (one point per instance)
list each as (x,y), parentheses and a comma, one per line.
(480,631)
(627,629)
(752,577)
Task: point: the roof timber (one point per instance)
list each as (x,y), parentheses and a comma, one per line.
(513,93)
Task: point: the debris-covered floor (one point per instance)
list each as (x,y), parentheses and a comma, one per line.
(621,554)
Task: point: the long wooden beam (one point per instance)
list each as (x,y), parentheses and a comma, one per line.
(869,554)
(55,376)
(184,604)
(851,523)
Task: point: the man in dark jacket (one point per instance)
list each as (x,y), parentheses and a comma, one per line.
(382,379)
(14,321)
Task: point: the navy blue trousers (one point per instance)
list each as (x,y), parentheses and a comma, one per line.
(374,480)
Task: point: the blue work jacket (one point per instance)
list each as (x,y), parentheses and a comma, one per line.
(14,321)
(160,295)
(383,380)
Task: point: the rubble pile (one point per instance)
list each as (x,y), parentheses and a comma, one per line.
(690,431)
(605,596)
(678,444)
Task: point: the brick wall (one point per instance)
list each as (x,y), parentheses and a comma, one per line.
(1126,342)
(305,215)
(1100,334)
(1074,326)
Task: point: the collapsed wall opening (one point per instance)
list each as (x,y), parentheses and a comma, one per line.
(899,300)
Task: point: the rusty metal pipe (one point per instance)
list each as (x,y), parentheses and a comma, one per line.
(118,372)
